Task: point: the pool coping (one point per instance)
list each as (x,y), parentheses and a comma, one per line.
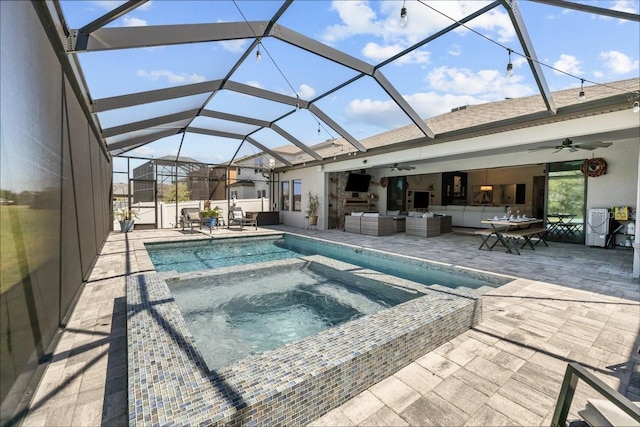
(169,382)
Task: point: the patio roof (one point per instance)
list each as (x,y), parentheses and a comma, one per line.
(346,71)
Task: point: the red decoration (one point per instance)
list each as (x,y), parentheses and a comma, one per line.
(594,167)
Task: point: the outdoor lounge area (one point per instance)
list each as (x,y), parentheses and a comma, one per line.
(425,212)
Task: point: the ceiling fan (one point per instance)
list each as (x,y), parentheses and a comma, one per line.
(568,144)
(399,167)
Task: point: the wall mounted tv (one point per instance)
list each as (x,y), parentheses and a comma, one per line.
(358,183)
(421,199)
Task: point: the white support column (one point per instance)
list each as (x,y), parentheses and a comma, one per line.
(636,241)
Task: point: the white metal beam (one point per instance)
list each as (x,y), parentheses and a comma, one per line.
(165,35)
(403,104)
(139,98)
(295,141)
(141,140)
(521,30)
(150,123)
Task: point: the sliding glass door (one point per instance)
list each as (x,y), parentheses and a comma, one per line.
(566,193)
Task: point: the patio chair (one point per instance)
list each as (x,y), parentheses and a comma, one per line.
(237,217)
(191,217)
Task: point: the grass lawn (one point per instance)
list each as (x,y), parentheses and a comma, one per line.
(28,237)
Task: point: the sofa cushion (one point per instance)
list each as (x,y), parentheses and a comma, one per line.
(393,213)
(357,213)
(371,214)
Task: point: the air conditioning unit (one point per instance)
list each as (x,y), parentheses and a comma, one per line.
(597,227)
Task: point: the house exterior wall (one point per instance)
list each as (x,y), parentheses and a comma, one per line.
(52,234)
(618,187)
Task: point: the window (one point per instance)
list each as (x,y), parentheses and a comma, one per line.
(285,196)
(234,195)
(297,195)
(262,193)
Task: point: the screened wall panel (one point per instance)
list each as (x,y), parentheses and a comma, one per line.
(96,193)
(47,210)
(81,156)
(70,248)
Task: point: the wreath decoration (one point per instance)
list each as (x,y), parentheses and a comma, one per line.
(384,181)
(594,167)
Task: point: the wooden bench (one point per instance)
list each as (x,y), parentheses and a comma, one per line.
(528,234)
(485,235)
(510,238)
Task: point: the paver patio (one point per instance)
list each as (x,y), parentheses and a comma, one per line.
(568,303)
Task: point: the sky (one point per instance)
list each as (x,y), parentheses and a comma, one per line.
(463,67)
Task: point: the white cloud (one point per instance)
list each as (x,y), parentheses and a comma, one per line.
(495,21)
(145,6)
(359,18)
(485,84)
(618,62)
(455,50)
(629,6)
(382,114)
(170,76)
(452,87)
(255,83)
(568,64)
(234,46)
(306,91)
(134,22)
(379,53)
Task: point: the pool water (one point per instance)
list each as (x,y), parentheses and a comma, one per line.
(210,254)
(232,316)
(197,255)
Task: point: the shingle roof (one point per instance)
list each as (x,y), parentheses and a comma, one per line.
(493,112)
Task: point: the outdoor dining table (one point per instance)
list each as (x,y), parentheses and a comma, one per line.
(508,231)
(562,224)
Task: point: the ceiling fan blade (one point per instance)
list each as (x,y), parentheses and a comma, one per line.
(546,147)
(593,145)
(573,149)
(559,149)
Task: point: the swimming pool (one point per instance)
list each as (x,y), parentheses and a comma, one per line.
(233,316)
(169,381)
(209,254)
(170,376)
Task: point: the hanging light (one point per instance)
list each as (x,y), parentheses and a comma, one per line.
(486,187)
(581,96)
(318,128)
(636,107)
(509,66)
(258,54)
(297,102)
(403,16)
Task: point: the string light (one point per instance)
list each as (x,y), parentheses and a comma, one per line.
(318,128)
(403,16)
(297,102)
(509,65)
(258,54)
(582,96)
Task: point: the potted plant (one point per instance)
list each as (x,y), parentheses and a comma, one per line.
(313,207)
(211,214)
(126,217)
